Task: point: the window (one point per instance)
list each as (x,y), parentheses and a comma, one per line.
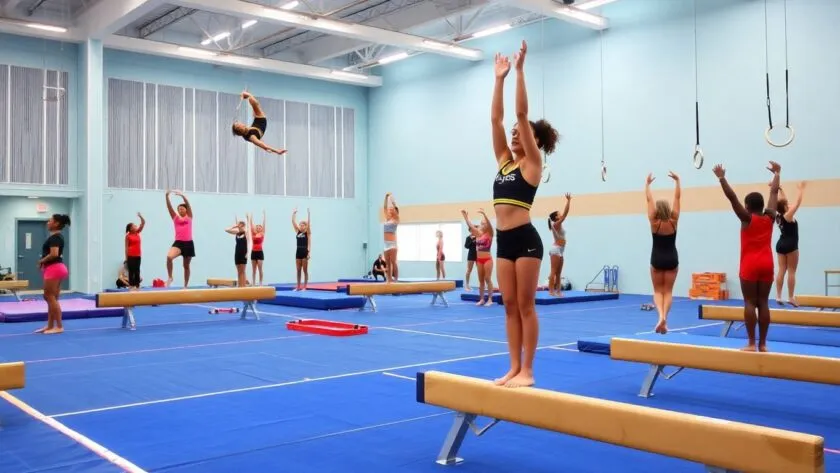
(418,242)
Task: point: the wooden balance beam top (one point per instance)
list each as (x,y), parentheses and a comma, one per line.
(820,302)
(371,289)
(731,445)
(184,296)
(814,369)
(12,376)
(217,282)
(14,284)
(810,318)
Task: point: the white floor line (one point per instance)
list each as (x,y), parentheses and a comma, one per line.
(96,448)
(394,375)
(369,427)
(153,350)
(443,335)
(564,349)
(292,383)
(682,328)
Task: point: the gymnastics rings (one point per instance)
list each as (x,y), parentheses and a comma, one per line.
(791,136)
(698,157)
(546,173)
(603,172)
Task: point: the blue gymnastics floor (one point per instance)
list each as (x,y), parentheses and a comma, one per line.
(193,392)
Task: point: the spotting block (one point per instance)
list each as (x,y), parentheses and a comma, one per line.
(699,352)
(820,302)
(218,282)
(14,286)
(130,300)
(732,314)
(669,433)
(12,376)
(368,290)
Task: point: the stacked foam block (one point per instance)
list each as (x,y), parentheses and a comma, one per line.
(710,286)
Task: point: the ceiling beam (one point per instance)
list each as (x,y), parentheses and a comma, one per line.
(562,12)
(329,47)
(156,48)
(18,27)
(107,17)
(173,16)
(332,27)
(11,5)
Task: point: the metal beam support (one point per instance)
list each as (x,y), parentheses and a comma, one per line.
(169,18)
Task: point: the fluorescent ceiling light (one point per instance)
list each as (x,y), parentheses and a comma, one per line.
(196,52)
(491,31)
(392,58)
(452,48)
(39,26)
(216,38)
(290,5)
(282,15)
(593,4)
(248,24)
(582,16)
(348,75)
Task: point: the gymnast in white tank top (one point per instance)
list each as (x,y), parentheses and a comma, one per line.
(558,247)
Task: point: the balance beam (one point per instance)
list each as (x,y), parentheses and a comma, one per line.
(12,376)
(14,286)
(731,315)
(814,369)
(368,290)
(820,302)
(132,299)
(219,282)
(669,433)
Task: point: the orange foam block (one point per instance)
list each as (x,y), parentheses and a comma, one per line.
(327,327)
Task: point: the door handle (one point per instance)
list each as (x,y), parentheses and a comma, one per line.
(20,256)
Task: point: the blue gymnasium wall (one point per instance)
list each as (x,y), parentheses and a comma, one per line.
(332,257)
(37,53)
(431,119)
(339,225)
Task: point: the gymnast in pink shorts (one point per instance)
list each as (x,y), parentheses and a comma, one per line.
(54,272)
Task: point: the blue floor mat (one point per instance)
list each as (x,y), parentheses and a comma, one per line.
(543,298)
(321,300)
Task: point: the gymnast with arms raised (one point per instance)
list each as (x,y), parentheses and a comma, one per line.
(257,252)
(787,246)
(483,236)
(254,133)
(664,259)
(555,224)
(756,271)
(183,245)
(519,250)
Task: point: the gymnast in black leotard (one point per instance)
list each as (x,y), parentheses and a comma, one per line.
(664,260)
(787,248)
(254,133)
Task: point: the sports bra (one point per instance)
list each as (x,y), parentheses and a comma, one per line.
(483,243)
(302,239)
(257,128)
(390,227)
(558,234)
(511,188)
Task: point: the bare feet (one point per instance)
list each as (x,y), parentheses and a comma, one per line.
(168,282)
(762,348)
(467,288)
(42,330)
(53,331)
(661,327)
(521,380)
(489,303)
(480,302)
(750,347)
(793,302)
(507,377)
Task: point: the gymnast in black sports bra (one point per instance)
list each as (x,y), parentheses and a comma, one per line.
(519,248)
(787,247)
(254,133)
(664,259)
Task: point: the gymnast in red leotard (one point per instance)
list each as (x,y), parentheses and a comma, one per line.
(757,269)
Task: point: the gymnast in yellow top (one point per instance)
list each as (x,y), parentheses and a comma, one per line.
(254,133)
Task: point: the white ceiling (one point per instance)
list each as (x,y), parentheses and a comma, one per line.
(336,40)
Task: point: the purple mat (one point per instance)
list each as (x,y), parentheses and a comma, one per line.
(71,309)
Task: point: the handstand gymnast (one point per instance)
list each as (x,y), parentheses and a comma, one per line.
(254,133)
(756,270)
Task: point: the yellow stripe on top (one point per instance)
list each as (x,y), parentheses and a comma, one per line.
(515,202)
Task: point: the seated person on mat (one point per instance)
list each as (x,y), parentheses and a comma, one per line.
(756,271)
(122,277)
(254,133)
(379,267)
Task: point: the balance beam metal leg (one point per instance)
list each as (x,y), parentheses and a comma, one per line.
(252,306)
(443,301)
(128,319)
(727,326)
(17,295)
(449,453)
(368,300)
(653,375)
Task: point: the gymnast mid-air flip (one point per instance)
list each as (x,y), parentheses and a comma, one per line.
(254,133)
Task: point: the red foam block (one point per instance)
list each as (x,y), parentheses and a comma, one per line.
(327,327)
